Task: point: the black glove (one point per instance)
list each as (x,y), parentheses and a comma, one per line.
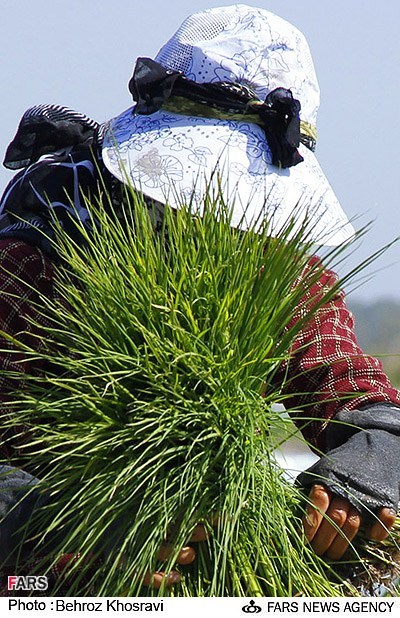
(362,462)
(19,496)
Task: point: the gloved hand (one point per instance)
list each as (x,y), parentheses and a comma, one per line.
(360,475)
(19,496)
(20,499)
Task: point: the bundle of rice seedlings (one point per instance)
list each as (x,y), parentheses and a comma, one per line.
(155,411)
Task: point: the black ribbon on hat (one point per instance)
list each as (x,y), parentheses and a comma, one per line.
(154,87)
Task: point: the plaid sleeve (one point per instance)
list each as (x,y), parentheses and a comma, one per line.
(328,370)
(25,275)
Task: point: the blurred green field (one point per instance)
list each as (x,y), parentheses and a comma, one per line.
(378,332)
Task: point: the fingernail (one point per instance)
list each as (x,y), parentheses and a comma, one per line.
(173,578)
(310,518)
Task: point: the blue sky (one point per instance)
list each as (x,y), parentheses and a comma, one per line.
(81,53)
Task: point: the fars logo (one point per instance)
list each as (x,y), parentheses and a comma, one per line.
(28,582)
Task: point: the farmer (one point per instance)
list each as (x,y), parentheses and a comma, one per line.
(234,90)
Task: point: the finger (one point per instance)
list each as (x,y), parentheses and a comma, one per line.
(186,555)
(336,515)
(381,528)
(156,580)
(342,540)
(164,552)
(320,499)
(199,534)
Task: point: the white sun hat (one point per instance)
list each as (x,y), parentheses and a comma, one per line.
(174,154)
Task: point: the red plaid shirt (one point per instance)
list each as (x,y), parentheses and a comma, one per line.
(32,276)
(328,370)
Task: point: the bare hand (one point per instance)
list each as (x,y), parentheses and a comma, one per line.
(324,536)
(186,556)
